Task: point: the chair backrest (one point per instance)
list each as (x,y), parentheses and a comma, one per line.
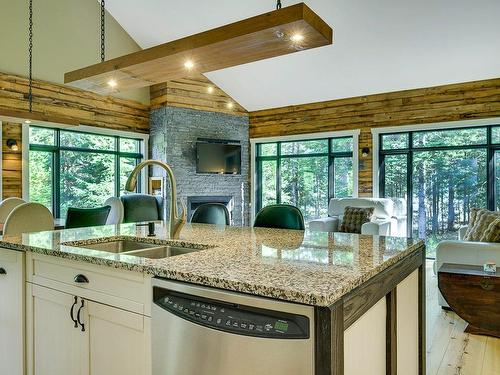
(141,207)
(7,205)
(28,217)
(383,207)
(281,216)
(86,217)
(116,213)
(211,213)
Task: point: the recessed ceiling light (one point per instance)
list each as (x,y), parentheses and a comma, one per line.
(27,121)
(189,64)
(297,38)
(230,105)
(210,89)
(112,83)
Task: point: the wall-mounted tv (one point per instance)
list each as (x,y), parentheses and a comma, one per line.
(218,157)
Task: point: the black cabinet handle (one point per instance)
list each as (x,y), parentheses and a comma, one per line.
(78,315)
(71,312)
(2,271)
(81,279)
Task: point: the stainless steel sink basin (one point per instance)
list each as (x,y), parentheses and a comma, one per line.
(136,248)
(162,252)
(119,246)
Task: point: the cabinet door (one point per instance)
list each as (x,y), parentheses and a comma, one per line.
(11,312)
(119,341)
(55,346)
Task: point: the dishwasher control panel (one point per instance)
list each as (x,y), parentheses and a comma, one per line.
(233,318)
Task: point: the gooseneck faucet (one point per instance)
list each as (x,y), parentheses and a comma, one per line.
(176,222)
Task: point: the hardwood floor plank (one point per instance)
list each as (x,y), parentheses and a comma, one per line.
(491,364)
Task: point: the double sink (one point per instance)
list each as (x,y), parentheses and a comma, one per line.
(136,247)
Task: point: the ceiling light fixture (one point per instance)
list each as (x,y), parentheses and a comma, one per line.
(230,105)
(296,38)
(12,145)
(210,89)
(27,121)
(189,64)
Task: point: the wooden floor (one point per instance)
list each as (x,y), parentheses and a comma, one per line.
(450,351)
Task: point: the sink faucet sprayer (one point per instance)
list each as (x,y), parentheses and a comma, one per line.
(176,222)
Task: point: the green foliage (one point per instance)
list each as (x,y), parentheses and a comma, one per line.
(86,176)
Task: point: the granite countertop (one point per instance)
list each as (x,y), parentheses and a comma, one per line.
(315,268)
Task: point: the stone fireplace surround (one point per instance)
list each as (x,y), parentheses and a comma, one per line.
(173,135)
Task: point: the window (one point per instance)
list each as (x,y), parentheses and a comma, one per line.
(304,173)
(75,169)
(441,174)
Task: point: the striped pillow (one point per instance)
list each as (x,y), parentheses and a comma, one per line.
(354,218)
(480,222)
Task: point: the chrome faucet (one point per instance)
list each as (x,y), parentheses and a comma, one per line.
(176,222)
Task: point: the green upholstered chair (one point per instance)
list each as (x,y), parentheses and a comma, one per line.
(86,217)
(282,216)
(141,207)
(211,213)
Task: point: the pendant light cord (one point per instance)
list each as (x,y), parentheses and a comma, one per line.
(278,5)
(30,53)
(103,29)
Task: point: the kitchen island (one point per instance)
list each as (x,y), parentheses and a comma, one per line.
(366,293)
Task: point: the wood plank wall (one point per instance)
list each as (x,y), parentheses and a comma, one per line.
(11,161)
(82,106)
(61,101)
(192,92)
(469,100)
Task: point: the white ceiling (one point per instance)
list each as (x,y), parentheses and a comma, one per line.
(379,45)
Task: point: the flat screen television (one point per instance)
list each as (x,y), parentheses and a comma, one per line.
(218,157)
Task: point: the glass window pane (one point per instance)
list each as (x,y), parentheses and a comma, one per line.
(446,185)
(41,136)
(495,134)
(87,179)
(305,147)
(268,149)
(342,144)
(396,169)
(40,172)
(304,183)
(126,167)
(394,141)
(268,183)
(130,145)
(87,140)
(342,179)
(457,137)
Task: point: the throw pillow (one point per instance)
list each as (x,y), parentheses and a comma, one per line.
(492,233)
(472,220)
(354,218)
(482,221)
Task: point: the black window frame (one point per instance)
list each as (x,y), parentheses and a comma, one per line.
(279,156)
(56,149)
(489,146)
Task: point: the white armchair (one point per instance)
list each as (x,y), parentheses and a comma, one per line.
(383,223)
(464,252)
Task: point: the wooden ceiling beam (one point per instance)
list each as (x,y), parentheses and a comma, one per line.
(256,38)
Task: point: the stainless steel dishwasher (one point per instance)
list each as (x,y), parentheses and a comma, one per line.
(199,330)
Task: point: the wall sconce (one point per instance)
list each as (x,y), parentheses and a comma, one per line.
(12,144)
(365,151)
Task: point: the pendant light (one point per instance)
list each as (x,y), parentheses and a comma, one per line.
(276,33)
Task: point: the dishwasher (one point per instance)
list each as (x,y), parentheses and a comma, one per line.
(199,330)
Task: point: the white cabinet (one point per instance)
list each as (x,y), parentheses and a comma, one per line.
(56,346)
(11,312)
(85,319)
(119,341)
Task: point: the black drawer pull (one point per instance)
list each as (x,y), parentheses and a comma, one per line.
(81,279)
(78,315)
(71,312)
(2,271)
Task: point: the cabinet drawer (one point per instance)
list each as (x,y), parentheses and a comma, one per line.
(121,288)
